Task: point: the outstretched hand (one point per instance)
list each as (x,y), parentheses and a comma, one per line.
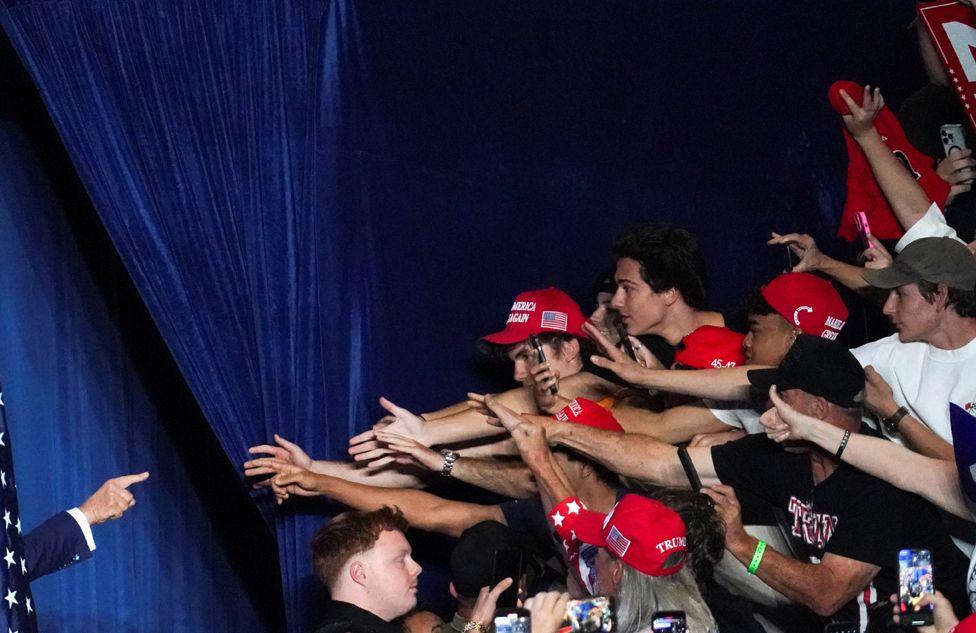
(615,359)
(406,450)
(285,452)
(804,247)
(861,119)
(782,422)
(367,447)
(112,499)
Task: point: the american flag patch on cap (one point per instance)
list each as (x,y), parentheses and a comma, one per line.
(554,320)
(617,542)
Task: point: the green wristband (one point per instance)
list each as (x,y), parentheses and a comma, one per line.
(757,558)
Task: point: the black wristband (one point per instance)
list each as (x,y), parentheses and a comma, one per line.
(843,444)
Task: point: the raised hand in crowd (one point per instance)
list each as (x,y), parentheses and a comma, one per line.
(876,257)
(366,447)
(484,608)
(957,169)
(804,247)
(406,450)
(879,399)
(544,378)
(860,122)
(112,499)
(289,479)
(548,609)
(782,422)
(614,359)
(285,452)
(943,617)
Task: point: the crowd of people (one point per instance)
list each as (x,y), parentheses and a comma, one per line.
(756,481)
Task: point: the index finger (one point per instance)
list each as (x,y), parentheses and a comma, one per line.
(508,418)
(127,480)
(500,587)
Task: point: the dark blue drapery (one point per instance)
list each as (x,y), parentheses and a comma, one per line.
(322,201)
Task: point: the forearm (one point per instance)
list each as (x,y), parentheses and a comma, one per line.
(907,198)
(922,439)
(672,426)
(498,448)
(472,424)
(935,480)
(802,583)
(460,407)
(847,274)
(421,509)
(552,482)
(511,478)
(627,454)
(390,477)
(730,384)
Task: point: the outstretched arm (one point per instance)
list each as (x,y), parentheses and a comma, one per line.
(933,479)
(421,509)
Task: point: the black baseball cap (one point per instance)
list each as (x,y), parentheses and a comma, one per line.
(817,366)
(473,557)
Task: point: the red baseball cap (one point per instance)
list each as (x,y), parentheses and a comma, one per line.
(644,533)
(588,413)
(711,346)
(538,311)
(807,302)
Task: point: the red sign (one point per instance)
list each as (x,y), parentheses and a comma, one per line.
(952,27)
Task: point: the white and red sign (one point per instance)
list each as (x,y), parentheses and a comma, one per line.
(952,27)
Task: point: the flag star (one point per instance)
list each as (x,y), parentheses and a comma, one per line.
(18,525)
(572,508)
(29,609)
(9,558)
(952,72)
(10,631)
(3,479)
(1,398)
(11,599)
(557,519)
(1,438)
(955,79)
(6,519)
(23,566)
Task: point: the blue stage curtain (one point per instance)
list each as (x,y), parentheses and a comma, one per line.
(209,136)
(78,414)
(324,201)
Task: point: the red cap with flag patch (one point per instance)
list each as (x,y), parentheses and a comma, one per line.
(711,346)
(642,532)
(588,413)
(539,311)
(808,303)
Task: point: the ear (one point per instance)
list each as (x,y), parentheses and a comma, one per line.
(671,296)
(942,297)
(452,590)
(571,349)
(617,571)
(357,572)
(584,469)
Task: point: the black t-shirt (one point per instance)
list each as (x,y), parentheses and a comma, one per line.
(849,514)
(528,519)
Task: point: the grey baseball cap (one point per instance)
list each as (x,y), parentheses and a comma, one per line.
(937,260)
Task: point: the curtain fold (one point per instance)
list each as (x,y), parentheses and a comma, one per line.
(213,139)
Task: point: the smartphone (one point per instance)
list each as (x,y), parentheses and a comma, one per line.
(861,220)
(591,615)
(914,581)
(512,621)
(508,564)
(554,389)
(669,622)
(842,627)
(953,137)
(626,343)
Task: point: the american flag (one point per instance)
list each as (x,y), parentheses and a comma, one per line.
(617,542)
(554,320)
(16,604)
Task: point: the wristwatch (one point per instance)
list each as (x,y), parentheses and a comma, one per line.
(892,421)
(449,458)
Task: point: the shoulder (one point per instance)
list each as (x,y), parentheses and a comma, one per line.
(885,348)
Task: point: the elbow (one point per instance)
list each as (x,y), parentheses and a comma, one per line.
(826,604)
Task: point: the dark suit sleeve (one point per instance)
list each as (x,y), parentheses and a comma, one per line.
(55,544)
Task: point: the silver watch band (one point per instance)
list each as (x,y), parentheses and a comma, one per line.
(449,458)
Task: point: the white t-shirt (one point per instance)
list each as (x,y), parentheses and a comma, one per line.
(739,415)
(932,224)
(924,378)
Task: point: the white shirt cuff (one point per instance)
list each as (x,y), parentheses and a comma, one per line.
(932,224)
(82,520)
